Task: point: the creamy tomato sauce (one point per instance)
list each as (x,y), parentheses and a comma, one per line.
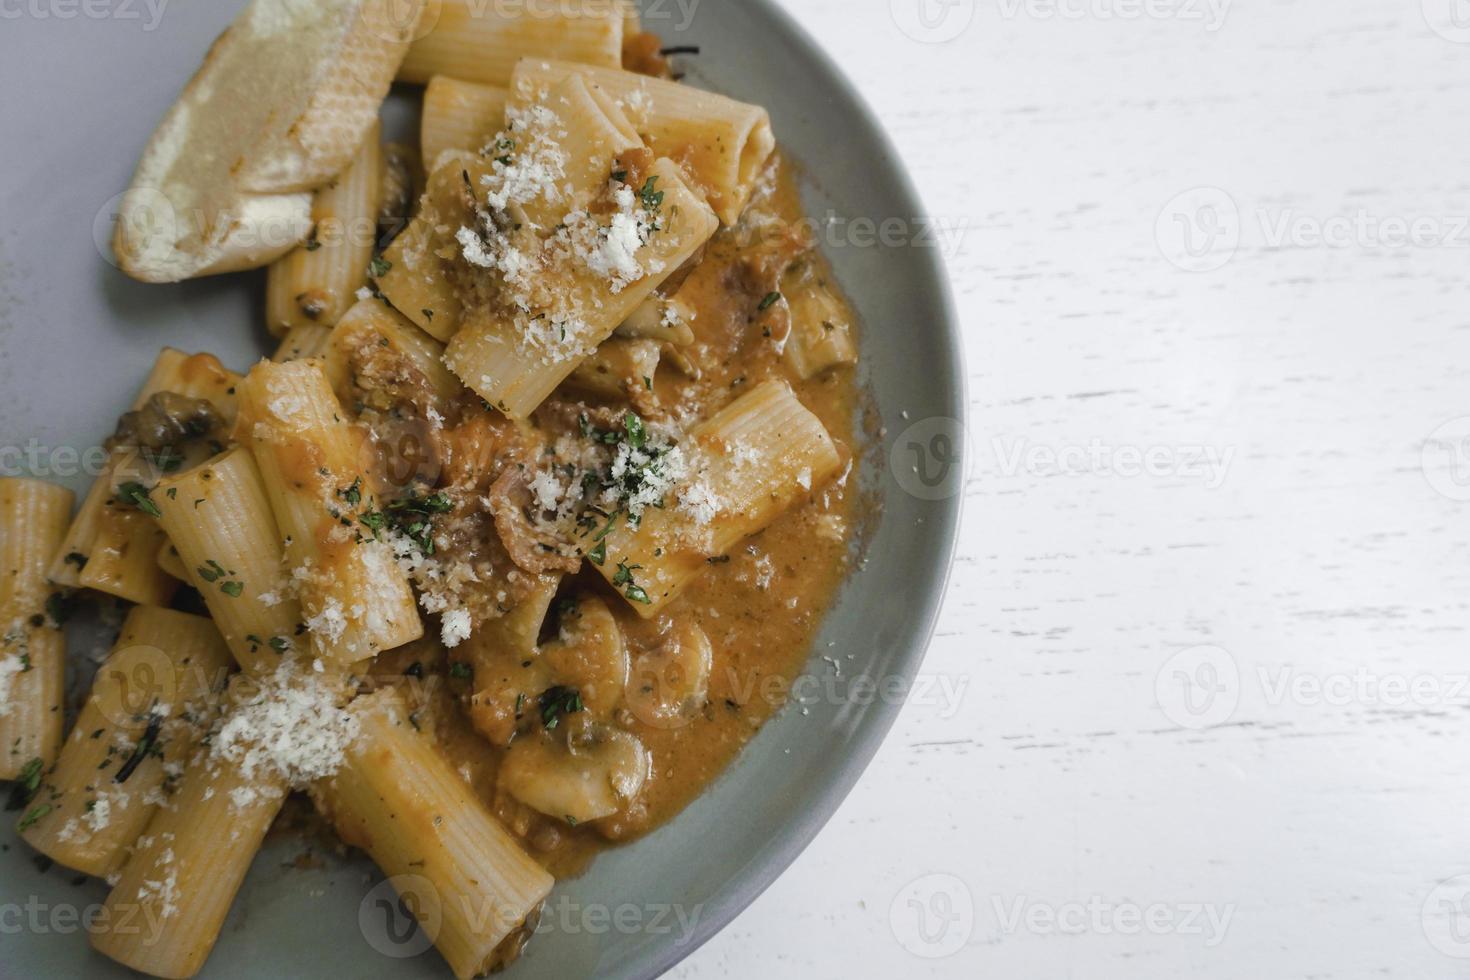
(759,606)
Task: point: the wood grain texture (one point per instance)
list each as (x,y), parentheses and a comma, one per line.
(1242,459)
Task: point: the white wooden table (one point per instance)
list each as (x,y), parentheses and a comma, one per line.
(1210,608)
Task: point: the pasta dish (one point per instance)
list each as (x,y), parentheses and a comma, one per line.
(522,532)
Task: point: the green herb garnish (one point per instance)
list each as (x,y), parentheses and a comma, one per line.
(652,199)
(26,784)
(558,702)
(35,814)
(137,495)
(146,745)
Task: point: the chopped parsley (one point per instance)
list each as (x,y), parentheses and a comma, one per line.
(637,434)
(624,577)
(232,589)
(379,267)
(35,814)
(26,785)
(413,517)
(147,745)
(652,199)
(461,671)
(137,495)
(353,494)
(558,702)
(770,301)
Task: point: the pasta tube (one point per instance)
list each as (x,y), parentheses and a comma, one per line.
(746,466)
(150,701)
(722,143)
(316,282)
(460,116)
(193,376)
(356,600)
(219,518)
(33,519)
(477,885)
(481,42)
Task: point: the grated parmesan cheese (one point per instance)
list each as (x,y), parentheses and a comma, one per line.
(330,623)
(456,627)
(700,502)
(10,667)
(290,727)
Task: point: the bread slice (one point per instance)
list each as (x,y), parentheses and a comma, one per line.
(282,102)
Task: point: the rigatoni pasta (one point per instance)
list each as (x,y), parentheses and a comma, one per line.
(600,340)
(188,865)
(219,518)
(355,598)
(460,115)
(151,700)
(495,358)
(483,885)
(163,424)
(378,357)
(481,42)
(316,283)
(724,144)
(745,466)
(33,518)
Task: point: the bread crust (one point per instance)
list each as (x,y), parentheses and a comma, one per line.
(279,106)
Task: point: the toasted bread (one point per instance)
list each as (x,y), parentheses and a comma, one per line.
(282,102)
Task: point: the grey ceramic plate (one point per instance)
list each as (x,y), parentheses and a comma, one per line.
(76,336)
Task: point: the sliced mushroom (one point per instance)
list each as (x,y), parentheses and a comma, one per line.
(167,421)
(594,774)
(509,671)
(535,546)
(668,683)
(590,656)
(522,688)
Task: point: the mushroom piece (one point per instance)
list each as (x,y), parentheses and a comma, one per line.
(535,546)
(593,773)
(668,683)
(581,673)
(590,655)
